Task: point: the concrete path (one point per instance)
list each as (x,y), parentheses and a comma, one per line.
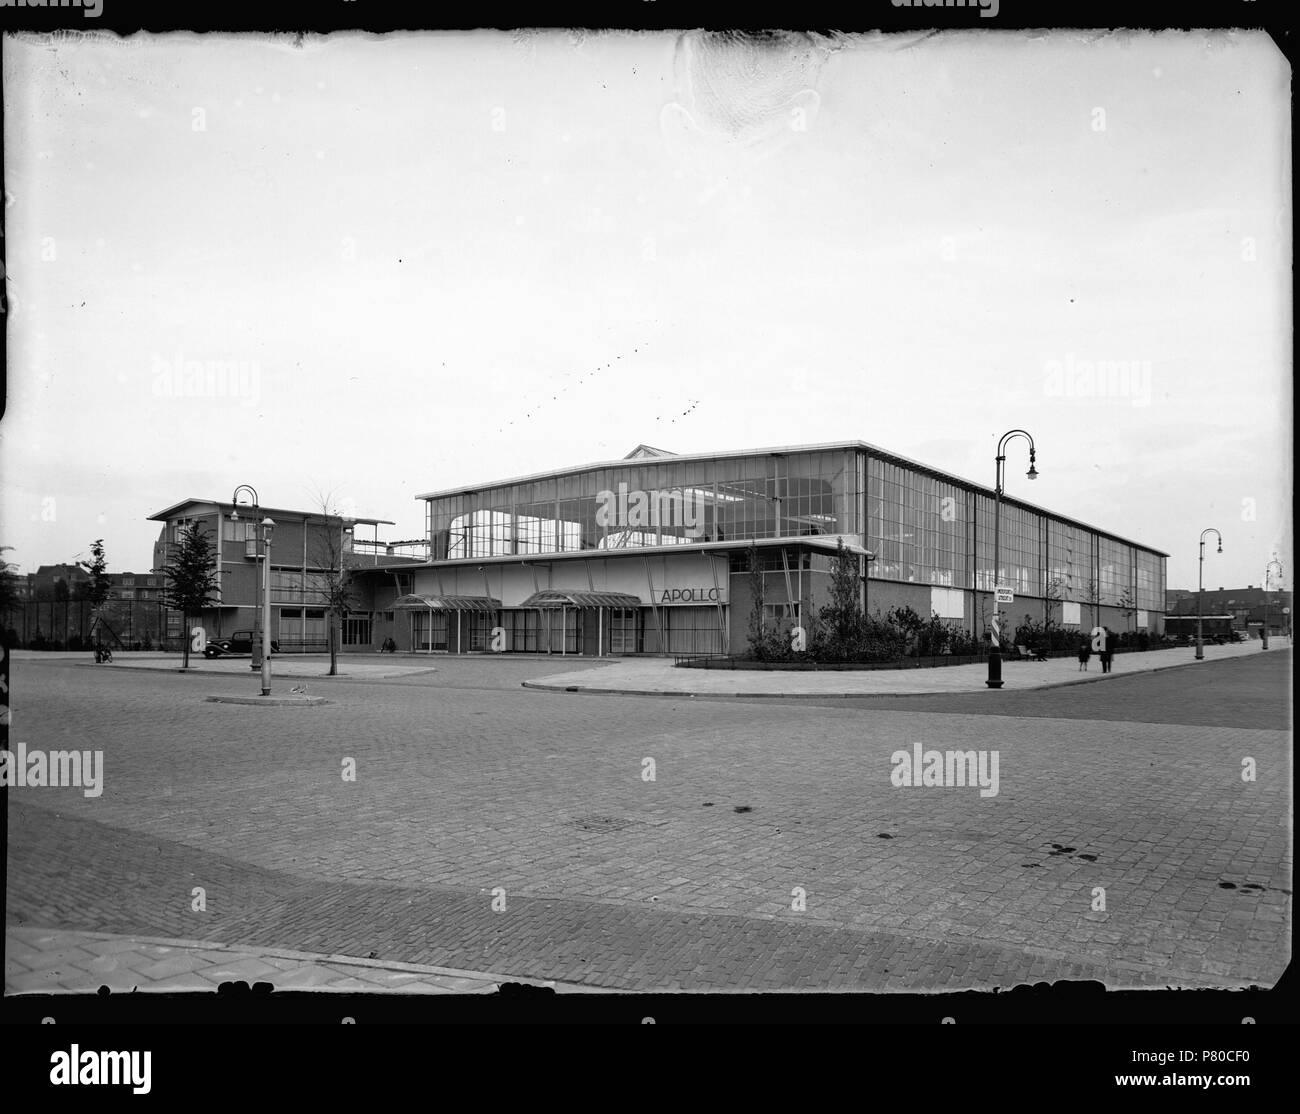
(352,666)
(659,677)
(40,960)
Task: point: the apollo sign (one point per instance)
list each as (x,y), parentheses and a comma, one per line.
(675,507)
(687,597)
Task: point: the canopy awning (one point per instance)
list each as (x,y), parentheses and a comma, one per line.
(444,603)
(560,597)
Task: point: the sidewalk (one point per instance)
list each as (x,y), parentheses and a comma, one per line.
(44,961)
(282,665)
(659,677)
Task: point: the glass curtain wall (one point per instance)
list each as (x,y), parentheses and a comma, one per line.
(924,529)
(1019,551)
(663,503)
(1069,555)
(1115,570)
(1150,582)
(916,526)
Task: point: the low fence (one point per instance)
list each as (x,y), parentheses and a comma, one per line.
(303,646)
(936,661)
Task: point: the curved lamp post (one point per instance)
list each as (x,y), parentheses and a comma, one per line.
(1267,570)
(266,526)
(995,650)
(1200,590)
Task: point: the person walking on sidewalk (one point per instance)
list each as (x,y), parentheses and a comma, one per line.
(1112,644)
(1107,648)
(1085,652)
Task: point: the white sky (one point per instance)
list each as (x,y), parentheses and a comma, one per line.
(448,259)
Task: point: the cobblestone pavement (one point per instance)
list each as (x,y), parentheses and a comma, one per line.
(658,676)
(770,851)
(297,666)
(51,961)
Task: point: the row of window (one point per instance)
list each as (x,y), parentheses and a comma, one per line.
(673,630)
(923,529)
(651,504)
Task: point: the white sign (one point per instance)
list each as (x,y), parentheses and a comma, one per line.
(1004,595)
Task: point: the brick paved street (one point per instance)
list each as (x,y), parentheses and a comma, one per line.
(469,784)
(45,961)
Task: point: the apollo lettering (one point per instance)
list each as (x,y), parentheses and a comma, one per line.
(689,595)
(637,509)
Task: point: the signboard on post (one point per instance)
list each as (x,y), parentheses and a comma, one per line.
(1004,595)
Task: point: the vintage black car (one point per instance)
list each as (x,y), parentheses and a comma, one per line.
(239,643)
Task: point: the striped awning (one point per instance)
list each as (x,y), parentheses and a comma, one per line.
(444,603)
(560,597)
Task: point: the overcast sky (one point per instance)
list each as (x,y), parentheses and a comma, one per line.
(419,261)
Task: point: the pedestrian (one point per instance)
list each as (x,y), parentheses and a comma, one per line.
(1112,644)
(1107,648)
(1085,652)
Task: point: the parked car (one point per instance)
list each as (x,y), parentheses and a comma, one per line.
(239,643)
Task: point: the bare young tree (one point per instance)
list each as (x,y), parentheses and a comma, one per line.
(10,597)
(1128,605)
(333,580)
(1053,594)
(1092,597)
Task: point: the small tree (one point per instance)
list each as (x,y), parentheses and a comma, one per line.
(191,579)
(333,581)
(97,588)
(1092,597)
(9,595)
(839,627)
(757,620)
(1053,594)
(1128,606)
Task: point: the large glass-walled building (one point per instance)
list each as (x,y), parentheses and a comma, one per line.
(651,554)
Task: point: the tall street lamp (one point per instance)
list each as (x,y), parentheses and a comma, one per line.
(1267,570)
(995,649)
(266,526)
(1200,590)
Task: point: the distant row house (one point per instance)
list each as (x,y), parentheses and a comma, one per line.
(1246,608)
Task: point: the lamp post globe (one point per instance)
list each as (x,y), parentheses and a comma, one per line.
(994,680)
(1200,590)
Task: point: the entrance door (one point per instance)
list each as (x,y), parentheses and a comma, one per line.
(592,627)
(623,630)
(290,627)
(429,631)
